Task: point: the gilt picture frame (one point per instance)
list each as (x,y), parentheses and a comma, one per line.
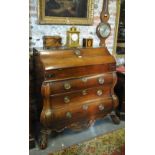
(114,52)
(118,4)
(69,12)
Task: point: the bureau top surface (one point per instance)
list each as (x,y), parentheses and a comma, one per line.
(66,58)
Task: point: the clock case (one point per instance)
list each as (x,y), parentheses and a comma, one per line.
(104,16)
(99,27)
(70,42)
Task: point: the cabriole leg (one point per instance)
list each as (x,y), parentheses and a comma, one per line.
(114,118)
(43,139)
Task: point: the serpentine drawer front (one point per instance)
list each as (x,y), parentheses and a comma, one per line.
(73,86)
(86,109)
(60,100)
(82,110)
(81,83)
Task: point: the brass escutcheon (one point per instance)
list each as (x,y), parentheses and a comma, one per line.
(84,92)
(68,115)
(84,79)
(101,80)
(85,107)
(78,53)
(50,75)
(67,85)
(66,99)
(101,107)
(99,92)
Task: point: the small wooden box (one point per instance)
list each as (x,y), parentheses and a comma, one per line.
(87,42)
(51,41)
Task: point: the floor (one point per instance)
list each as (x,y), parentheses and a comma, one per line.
(68,137)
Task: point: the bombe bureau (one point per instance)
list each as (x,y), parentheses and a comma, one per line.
(74,87)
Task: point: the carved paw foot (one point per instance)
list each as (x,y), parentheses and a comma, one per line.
(43,141)
(115,119)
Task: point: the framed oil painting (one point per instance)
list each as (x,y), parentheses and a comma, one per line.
(78,12)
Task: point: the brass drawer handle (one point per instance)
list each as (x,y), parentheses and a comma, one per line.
(68,115)
(78,53)
(84,79)
(84,92)
(67,85)
(99,92)
(101,107)
(84,107)
(100,80)
(66,99)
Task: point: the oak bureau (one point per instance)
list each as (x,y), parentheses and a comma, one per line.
(74,87)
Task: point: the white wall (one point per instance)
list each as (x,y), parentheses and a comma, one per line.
(38,31)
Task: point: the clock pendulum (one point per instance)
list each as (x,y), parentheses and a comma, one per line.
(103,29)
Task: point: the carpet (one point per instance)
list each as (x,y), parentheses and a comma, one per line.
(112,143)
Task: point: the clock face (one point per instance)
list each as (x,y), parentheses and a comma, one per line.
(74,37)
(104,30)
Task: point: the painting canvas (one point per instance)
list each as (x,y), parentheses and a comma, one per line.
(66,12)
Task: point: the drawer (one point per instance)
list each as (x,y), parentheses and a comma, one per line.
(85,82)
(73,72)
(80,96)
(84,111)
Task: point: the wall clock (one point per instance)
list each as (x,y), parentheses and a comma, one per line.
(73,36)
(103,30)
